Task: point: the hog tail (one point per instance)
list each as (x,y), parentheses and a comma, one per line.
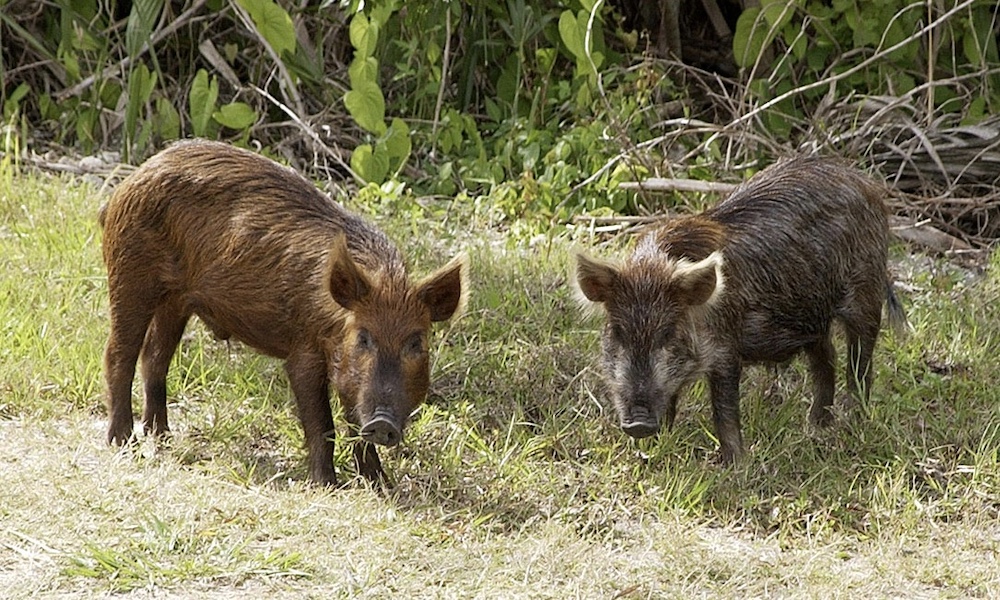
(897,316)
(102,214)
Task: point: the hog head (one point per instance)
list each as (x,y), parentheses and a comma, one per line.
(650,343)
(383,370)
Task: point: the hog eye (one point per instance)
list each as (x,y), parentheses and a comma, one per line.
(414,344)
(661,338)
(663,335)
(365,341)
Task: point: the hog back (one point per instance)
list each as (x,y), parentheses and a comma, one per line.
(806,245)
(237,227)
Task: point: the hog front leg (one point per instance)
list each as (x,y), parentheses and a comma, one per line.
(308,378)
(724,387)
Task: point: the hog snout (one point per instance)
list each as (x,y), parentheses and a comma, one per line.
(382,429)
(640,423)
(637,404)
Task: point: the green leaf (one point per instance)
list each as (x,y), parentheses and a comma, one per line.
(204,92)
(507,81)
(86,122)
(363,35)
(69,62)
(11,104)
(50,108)
(546,58)
(144,84)
(141,21)
(570,33)
(370,166)
(363,71)
(273,23)
(432,52)
(598,58)
(141,139)
(397,142)
(305,64)
(167,120)
(140,87)
(976,111)
(777,13)
(817,55)
(382,10)
(367,107)
(235,115)
(749,38)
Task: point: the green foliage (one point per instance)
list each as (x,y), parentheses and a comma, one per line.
(789,44)
(201,102)
(11,105)
(140,88)
(388,152)
(273,23)
(532,99)
(235,115)
(757,28)
(141,21)
(580,32)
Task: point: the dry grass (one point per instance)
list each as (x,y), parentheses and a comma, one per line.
(83,521)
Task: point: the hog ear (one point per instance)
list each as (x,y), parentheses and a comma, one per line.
(699,283)
(446,291)
(595,279)
(347,283)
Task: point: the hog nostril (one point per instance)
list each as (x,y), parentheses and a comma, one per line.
(391,438)
(382,431)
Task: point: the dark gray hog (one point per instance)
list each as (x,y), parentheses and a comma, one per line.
(759,278)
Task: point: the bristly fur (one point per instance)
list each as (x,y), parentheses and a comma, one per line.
(693,237)
(672,267)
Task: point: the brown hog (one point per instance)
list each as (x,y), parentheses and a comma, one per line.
(760,277)
(260,255)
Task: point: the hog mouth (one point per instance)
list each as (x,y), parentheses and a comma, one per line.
(383,428)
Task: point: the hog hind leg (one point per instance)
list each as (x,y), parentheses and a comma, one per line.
(130,318)
(162,338)
(860,347)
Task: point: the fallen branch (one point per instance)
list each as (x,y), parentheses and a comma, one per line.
(660,184)
(923,234)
